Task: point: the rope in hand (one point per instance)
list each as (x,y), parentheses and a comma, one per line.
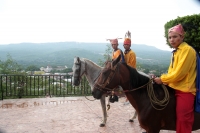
(154,100)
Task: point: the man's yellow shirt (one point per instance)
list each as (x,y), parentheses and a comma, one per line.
(182,76)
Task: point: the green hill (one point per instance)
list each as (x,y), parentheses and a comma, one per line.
(63,53)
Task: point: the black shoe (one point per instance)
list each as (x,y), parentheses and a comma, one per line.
(113,98)
(116,98)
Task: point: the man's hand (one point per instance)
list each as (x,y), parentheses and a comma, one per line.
(158,80)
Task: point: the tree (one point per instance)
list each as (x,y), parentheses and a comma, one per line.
(67,70)
(32,68)
(107,55)
(191,26)
(9,66)
(146,71)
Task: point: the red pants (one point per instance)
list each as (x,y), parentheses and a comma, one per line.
(184,112)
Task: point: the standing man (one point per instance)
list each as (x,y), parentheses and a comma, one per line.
(181,76)
(116,52)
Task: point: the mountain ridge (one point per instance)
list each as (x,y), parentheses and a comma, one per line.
(62,53)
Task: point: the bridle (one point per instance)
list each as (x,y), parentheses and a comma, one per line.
(80,75)
(153,99)
(84,70)
(102,87)
(79,70)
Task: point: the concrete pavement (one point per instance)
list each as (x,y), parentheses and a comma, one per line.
(65,115)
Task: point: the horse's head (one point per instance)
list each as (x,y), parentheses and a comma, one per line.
(77,72)
(105,80)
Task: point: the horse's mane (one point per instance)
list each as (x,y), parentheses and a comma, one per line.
(137,78)
(91,62)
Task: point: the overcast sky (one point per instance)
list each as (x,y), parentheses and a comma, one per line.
(90,20)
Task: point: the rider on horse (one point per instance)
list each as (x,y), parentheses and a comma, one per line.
(116,52)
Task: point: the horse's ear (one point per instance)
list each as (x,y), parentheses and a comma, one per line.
(76,60)
(115,61)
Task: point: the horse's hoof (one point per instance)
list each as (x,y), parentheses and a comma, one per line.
(130,120)
(102,125)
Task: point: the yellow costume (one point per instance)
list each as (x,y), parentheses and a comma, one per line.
(182,71)
(130,58)
(116,53)
(129,55)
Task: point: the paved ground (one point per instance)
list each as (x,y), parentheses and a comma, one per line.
(65,115)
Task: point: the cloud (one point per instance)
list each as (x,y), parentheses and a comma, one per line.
(88,20)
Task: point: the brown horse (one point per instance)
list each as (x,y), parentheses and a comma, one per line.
(151,116)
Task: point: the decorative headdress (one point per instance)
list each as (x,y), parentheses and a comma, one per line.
(113,41)
(127,40)
(178,29)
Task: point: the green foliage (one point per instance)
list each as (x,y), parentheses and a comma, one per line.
(32,68)
(27,86)
(31,56)
(106,55)
(67,70)
(62,54)
(146,70)
(191,25)
(9,66)
(54,54)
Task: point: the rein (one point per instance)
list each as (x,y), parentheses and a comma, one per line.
(89,99)
(85,71)
(153,99)
(150,90)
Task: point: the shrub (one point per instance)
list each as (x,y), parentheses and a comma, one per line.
(191,25)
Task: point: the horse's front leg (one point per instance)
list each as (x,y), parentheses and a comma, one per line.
(103,105)
(132,119)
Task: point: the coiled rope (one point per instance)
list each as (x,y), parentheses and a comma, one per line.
(154,100)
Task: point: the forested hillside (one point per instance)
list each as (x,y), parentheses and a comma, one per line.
(63,53)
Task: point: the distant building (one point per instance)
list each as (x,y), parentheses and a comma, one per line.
(60,68)
(49,68)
